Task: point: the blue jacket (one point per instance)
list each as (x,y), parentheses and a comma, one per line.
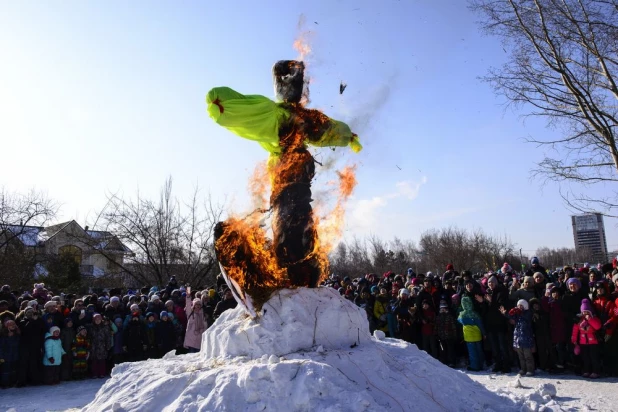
(523,335)
(53,349)
(9,348)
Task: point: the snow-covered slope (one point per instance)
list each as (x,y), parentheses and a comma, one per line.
(310,350)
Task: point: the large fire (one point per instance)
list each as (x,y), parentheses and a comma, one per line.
(296,253)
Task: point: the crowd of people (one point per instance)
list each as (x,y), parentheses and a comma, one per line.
(561,321)
(48,337)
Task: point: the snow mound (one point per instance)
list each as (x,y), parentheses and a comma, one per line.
(291,320)
(311,350)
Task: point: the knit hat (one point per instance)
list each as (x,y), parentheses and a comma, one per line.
(534,261)
(154,298)
(374,289)
(556,289)
(96,315)
(196,300)
(574,281)
(53,329)
(523,303)
(450,267)
(80,328)
(163,314)
(528,279)
(443,304)
(50,304)
(115,299)
(33,303)
(134,307)
(586,306)
(404,292)
(211,293)
(67,320)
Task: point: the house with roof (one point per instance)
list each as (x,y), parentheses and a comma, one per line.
(97,253)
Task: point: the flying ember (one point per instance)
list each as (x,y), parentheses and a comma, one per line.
(254,264)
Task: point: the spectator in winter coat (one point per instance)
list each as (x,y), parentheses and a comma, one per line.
(429,294)
(405,320)
(81,352)
(53,356)
(5,294)
(552,304)
(473,331)
(428,319)
(611,342)
(523,336)
(196,324)
(381,308)
(540,283)
(496,325)
(542,334)
(446,330)
(51,316)
(9,353)
(78,314)
(118,350)
(525,292)
(228,302)
(151,338)
(155,306)
(165,334)
(178,311)
(67,336)
(114,308)
(100,340)
(135,338)
(584,338)
(32,330)
(603,304)
(536,266)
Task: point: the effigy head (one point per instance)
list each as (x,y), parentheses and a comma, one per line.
(289,78)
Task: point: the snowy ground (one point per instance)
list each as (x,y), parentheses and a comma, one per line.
(574,394)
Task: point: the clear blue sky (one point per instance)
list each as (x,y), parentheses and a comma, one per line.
(109,96)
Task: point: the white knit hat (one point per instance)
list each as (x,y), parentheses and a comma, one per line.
(523,303)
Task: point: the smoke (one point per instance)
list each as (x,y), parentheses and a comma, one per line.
(365,108)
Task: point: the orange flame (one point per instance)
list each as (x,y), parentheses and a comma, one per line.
(330,228)
(258,186)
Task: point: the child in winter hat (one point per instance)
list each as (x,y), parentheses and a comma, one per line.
(585,340)
(523,336)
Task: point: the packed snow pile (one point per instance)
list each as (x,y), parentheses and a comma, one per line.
(310,349)
(292,320)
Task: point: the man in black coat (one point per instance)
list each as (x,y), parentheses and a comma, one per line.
(33,331)
(228,302)
(496,324)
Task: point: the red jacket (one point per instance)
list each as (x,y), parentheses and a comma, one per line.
(428,319)
(584,331)
(557,327)
(604,307)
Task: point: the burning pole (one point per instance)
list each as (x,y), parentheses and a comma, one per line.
(253,265)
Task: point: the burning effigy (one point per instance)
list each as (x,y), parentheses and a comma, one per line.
(253,263)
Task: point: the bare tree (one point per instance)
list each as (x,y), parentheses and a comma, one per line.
(555,258)
(563,64)
(20,214)
(167,237)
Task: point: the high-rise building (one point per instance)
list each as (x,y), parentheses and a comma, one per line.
(589,234)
